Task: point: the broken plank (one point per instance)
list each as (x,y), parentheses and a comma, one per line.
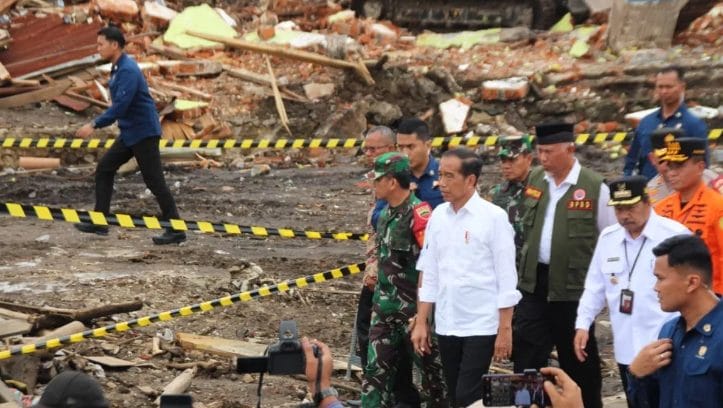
(14,327)
(42,94)
(110,361)
(71,103)
(184,89)
(4,74)
(88,99)
(233,348)
(306,56)
(5,5)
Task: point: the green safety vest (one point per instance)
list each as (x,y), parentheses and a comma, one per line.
(574,234)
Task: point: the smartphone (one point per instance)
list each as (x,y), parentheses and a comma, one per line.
(176,401)
(519,390)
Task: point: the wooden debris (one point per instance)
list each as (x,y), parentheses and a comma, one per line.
(42,94)
(87,99)
(5,5)
(205,365)
(277,98)
(36,163)
(68,315)
(180,384)
(186,68)
(14,327)
(68,329)
(111,362)
(184,89)
(71,103)
(4,74)
(306,56)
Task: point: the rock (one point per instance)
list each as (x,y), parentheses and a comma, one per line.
(443,78)
(248,379)
(383,113)
(124,10)
(260,170)
(158,14)
(43,238)
(454,114)
(515,34)
(383,33)
(478,117)
(344,123)
(316,91)
(510,89)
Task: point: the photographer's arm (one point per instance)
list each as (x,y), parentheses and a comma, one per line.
(312,369)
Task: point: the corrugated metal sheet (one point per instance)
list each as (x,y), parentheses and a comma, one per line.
(43,42)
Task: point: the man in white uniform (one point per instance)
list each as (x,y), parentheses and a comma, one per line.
(621,277)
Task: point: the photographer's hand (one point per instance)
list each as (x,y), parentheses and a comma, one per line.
(312,368)
(569,394)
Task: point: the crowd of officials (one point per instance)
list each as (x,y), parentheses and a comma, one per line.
(456,278)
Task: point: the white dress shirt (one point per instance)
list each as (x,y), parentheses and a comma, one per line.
(468,261)
(608,275)
(605,214)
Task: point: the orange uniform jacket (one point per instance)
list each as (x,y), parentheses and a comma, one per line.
(703,215)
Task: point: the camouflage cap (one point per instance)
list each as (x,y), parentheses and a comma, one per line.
(513,146)
(391,162)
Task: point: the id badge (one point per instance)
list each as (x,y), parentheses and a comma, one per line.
(626,301)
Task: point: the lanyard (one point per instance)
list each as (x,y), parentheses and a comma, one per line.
(635,262)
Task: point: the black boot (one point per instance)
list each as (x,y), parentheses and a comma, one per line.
(170,236)
(91,229)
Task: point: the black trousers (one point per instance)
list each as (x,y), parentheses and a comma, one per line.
(464,361)
(640,392)
(405,392)
(539,325)
(148,157)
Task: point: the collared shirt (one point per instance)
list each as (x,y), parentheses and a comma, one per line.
(694,378)
(424,187)
(468,265)
(132,105)
(703,215)
(609,273)
(605,214)
(637,158)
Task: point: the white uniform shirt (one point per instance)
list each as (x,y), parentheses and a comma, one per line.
(631,332)
(468,265)
(605,214)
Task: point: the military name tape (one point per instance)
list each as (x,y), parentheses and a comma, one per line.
(184,311)
(349,143)
(149,222)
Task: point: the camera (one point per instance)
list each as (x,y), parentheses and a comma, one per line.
(284,357)
(521,390)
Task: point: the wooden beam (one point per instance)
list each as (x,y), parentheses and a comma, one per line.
(300,55)
(43,94)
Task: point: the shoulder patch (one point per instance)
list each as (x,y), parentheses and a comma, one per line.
(423,210)
(533,192)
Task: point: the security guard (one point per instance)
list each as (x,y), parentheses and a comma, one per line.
(515,162)
(400,236)
(621,278)
(565,208)
(659,186)
(687,358)
(693,204)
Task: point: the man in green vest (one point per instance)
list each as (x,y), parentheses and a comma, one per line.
(565,208)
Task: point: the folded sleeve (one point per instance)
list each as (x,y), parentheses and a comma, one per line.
(503,251)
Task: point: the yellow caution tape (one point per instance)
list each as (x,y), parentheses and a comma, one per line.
(184,311)
(349,143)
(150,222)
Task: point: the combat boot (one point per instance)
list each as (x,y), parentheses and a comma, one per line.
(170,236)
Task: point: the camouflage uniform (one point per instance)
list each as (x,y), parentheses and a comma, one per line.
(400,231)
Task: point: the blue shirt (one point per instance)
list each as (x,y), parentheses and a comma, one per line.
(637,158)
(426,189)
(694,378)
(131,104)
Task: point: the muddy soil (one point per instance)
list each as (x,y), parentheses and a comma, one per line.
(50,263)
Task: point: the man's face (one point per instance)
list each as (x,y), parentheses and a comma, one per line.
(516,169)
(452,183)
(106,48)
(669,88)
(415,149)
(375,144)
(382,187)
(633,217)
(684,175)
(554,158)
(661,166)
(670,285)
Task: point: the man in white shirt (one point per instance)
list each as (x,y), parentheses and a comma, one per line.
(565,208)
(468,276)
(621,278)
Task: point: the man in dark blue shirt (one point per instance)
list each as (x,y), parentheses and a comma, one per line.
(687,358)
(673,113)
(140,131)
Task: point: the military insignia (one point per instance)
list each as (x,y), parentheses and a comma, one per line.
(579,194)
(669,138)
(706,328)
(584,205)
(423,210)
(702,350)
(622,192)
(533,192)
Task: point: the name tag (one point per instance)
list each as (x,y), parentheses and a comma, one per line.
(585,205)
(533,193)
(614,259)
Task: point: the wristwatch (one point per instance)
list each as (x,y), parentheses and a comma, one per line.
(324,393)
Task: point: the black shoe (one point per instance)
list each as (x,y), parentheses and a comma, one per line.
(170,237)
(91,229)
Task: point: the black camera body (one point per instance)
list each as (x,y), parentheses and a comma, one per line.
(284,357)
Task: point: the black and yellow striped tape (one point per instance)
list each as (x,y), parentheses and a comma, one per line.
(184,311)
(349,143)
(127,221)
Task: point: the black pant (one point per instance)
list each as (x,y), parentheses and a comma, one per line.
(539,325)
(640,392)
(149,161)
(405,392)
(464,361)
